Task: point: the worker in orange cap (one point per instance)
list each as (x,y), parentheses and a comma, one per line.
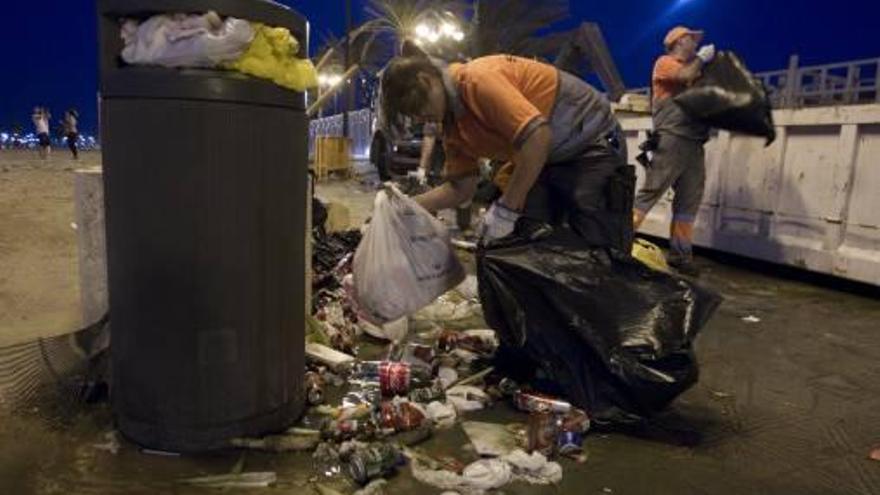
(678,157)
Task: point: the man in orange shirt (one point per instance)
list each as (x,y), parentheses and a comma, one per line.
(565,159)
(678,160)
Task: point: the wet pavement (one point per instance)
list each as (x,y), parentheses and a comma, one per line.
(788,403)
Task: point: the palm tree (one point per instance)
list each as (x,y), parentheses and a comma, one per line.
(515,26)
(397,19)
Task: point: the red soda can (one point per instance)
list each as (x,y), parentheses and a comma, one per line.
(394,378)
(532,402)
(388,415)
(401,416)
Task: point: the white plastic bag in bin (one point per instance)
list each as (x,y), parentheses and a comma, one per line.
(405,260)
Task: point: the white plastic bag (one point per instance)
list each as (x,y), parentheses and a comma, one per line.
(180,40)
(405,260)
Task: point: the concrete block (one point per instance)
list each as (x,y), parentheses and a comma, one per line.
(91,244)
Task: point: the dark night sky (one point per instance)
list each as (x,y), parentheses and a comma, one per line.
(50,46)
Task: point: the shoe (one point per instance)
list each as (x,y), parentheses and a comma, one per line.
(684,267)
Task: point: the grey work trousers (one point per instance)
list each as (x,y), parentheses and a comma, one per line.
(678,163)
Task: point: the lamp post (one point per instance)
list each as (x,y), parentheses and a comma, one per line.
(349,93)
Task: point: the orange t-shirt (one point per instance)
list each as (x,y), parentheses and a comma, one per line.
(500,97)
(665,82)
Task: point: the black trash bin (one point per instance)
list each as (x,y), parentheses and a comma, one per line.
(205,177)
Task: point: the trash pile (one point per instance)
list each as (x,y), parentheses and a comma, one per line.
(368,415)
(377,391)
(397,352)
(211,42)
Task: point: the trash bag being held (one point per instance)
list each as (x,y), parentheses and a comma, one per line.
(405,260)
(729,97)
(612,335)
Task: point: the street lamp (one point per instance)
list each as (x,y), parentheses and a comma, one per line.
(437,29)
(328,81)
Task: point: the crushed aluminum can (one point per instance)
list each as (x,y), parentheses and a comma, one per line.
(532,402)
(400,416)
(508,387)
(428,394)
(314,385)
(543,433)
(576,420)
(451,340)
(419,354)
(348,429)
(448,341)
(570,443)
(372,462)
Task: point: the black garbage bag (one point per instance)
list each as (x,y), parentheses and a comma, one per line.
(728,96)
(613,336)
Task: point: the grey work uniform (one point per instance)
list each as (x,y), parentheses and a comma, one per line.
(586,182)
(679,163)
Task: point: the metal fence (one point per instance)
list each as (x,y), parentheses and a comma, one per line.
(360,130)
(844,83)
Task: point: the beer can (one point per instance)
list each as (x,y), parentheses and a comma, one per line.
(372,462)
(569,443)
(543,432)
(532,402)
(314,385)
(427,394)
(576,420)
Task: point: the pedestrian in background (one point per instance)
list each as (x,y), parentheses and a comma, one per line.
(40,118)
(71,133)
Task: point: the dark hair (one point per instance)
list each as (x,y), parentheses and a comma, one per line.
(402,93)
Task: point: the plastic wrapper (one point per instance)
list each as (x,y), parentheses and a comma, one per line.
(728,96)
(608,333)
(179,40)
(272,55)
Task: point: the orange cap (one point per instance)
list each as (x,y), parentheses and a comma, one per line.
(679,32)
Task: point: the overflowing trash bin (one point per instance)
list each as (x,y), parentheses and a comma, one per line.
(205,173)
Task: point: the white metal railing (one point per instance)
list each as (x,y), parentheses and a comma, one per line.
(360,124)
(844,83)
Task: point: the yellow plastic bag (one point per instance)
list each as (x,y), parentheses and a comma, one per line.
(649,254)
(272,55)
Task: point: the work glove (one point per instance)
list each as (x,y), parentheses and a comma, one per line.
(706,53)
(498,222)
(420,176)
